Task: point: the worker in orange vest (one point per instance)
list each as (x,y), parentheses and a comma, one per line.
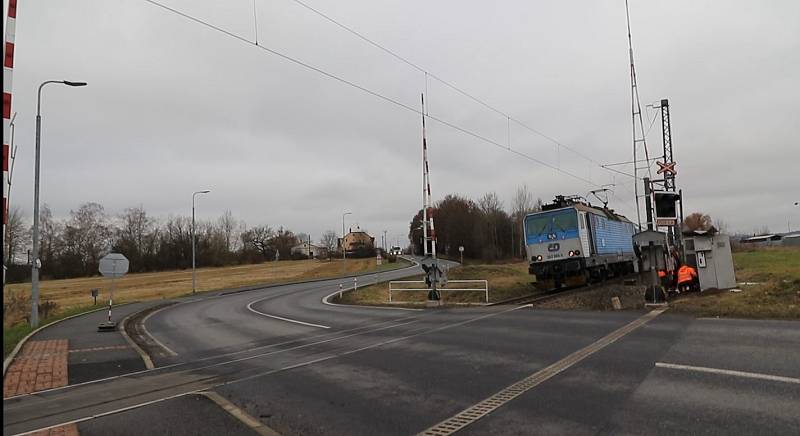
(687,276)
(663,278)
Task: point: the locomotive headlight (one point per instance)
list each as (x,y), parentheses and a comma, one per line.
(571,253)
(539,257)
(577,252)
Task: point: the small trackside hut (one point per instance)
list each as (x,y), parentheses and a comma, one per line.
(571,238)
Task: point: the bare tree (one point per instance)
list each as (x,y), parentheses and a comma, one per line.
(697,221)
(522,205)
(87,236)
(50,240)
(283,241)
(260,238)
(17,235)
(721,225)
(493,213)
(227,225)
(136,236)
(490,203)
(328,241)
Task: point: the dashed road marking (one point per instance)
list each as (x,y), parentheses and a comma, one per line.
(483,408)
(744,374)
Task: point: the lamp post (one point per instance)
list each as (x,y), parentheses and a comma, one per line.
(194,272)
(36,263)
(344,251)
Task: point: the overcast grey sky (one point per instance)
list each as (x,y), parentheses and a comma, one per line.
(174,107)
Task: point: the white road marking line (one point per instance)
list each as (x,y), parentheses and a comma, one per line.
(145,331)
(326,299)
(375,345)
(234,353)
(288,367)
(754,375)
(492,403)
(148,362)
(250,308)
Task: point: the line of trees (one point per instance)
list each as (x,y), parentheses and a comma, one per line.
(73,247)
(484,228)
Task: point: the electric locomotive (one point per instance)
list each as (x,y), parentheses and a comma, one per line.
(570,238)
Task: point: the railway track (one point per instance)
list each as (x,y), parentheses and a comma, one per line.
(563,292)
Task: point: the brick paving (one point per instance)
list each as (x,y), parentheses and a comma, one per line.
(40,365)
(64,430)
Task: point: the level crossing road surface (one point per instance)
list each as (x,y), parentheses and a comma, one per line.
(298,365)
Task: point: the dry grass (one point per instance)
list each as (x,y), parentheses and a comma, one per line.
(776,294)
(506,280)
(161,285)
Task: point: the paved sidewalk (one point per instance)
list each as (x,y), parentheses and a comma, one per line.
(73,351)
(64,430)
(40,365)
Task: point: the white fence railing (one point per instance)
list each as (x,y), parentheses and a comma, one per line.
(397,286)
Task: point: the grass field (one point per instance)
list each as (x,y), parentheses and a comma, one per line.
(74,295)
(505,281)
(775,294)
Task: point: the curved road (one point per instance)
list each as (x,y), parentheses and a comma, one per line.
(238,321)
(301,366)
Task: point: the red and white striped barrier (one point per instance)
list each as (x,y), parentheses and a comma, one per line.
(8,68)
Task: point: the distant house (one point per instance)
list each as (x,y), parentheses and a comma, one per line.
(355,240)
(310,250)
(764,240)
(792,240)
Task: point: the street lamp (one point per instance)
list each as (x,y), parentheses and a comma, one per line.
(344,251)
(36,264)
(194,272)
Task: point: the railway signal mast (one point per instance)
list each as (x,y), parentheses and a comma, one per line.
(434,274)
(665,201)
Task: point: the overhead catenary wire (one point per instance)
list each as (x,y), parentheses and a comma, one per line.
(442,81)
(382,96)
(363,88)
(509,118)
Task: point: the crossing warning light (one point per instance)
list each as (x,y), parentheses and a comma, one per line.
(665,202)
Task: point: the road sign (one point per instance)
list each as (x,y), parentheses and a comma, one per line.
(461,248)
(662,222)
(113,265)
(666,168)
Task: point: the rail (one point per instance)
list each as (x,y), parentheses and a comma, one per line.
(393,287)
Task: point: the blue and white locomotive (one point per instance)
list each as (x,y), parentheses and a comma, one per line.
(569,238)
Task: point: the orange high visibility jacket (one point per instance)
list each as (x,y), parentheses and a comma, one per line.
(686,274)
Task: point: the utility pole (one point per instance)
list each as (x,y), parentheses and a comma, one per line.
(36,262)
(344,250)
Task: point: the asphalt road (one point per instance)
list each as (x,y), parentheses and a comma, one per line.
(301,366)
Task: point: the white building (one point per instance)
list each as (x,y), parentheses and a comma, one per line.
(310,250)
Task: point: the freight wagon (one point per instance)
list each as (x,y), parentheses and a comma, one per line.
(569,238)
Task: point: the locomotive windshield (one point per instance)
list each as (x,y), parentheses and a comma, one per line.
(557,224)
